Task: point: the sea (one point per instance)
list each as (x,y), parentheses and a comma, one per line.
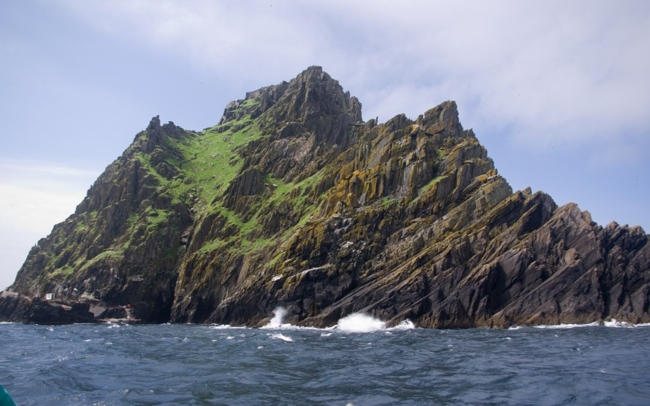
(358,362)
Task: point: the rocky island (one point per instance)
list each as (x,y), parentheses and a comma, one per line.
(293,200)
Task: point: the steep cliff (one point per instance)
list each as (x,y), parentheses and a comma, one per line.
(292,200)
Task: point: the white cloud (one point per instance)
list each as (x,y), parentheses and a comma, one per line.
(543,63)
(573,73)
(33,197)
(540,74)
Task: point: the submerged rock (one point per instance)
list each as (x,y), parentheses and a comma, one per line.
(292,200)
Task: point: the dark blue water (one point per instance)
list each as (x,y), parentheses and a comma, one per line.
(204,365)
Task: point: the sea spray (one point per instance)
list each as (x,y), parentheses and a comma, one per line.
(360,323)
(404,325)
(354,323)
(278,318)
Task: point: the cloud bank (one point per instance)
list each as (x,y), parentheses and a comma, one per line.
(544,74)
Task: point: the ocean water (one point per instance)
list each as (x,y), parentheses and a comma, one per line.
(360,362)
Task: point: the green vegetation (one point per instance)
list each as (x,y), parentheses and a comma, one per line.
(431,183)
(212,160)
(424,189)
(196,169)
(387,201)
(249,103)
(157,217)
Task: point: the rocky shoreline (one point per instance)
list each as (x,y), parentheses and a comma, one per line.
(22,309)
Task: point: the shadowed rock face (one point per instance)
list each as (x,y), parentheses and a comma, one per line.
(292,200)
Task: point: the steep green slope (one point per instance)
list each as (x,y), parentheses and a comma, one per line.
(292,200)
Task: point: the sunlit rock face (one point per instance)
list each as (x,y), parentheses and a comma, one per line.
(294,201)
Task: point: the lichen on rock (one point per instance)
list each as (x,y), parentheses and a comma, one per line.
(292,200)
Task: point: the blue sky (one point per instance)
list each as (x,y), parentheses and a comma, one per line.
(557,91)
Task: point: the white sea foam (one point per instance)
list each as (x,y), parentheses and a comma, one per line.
(360,323)
(278,318)
(356,323)
(364,323)
(225,327)
(404,325)
(566,326)
(623,324)
(611,323)
(282,337)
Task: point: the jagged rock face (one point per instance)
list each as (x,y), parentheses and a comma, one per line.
(122,243)
(292,200)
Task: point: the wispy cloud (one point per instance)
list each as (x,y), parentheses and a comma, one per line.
(36,195)
(573,72)
(33,197)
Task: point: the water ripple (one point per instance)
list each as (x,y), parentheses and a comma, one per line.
(195,365)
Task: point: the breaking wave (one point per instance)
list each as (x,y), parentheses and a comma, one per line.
(282,337)
(365,323)
(354,323)
(566,326)
(225,327)
(613,323)
(623,324)
(278,318)
(360,323)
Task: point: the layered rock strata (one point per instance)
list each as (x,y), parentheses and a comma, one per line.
(293,200)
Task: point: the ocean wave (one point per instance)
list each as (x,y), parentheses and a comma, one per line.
(353,323)
(226,327)
(622,324)
(282,337)
(567,326)
(613,323)
(360,323)
(277,320)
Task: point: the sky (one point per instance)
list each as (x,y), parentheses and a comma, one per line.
(557,91)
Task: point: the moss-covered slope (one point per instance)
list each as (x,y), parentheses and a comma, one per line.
(293,200)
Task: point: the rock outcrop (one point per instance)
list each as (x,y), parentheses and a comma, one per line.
(293,200)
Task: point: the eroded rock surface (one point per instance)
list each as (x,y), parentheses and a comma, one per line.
(293,200)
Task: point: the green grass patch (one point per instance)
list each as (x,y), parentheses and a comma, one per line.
(146,163)
(252,246)
(425,188)
(63,271)
(157,217)
(212,160)
(387,201)
(250,103)
(81,227)
(431,183)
